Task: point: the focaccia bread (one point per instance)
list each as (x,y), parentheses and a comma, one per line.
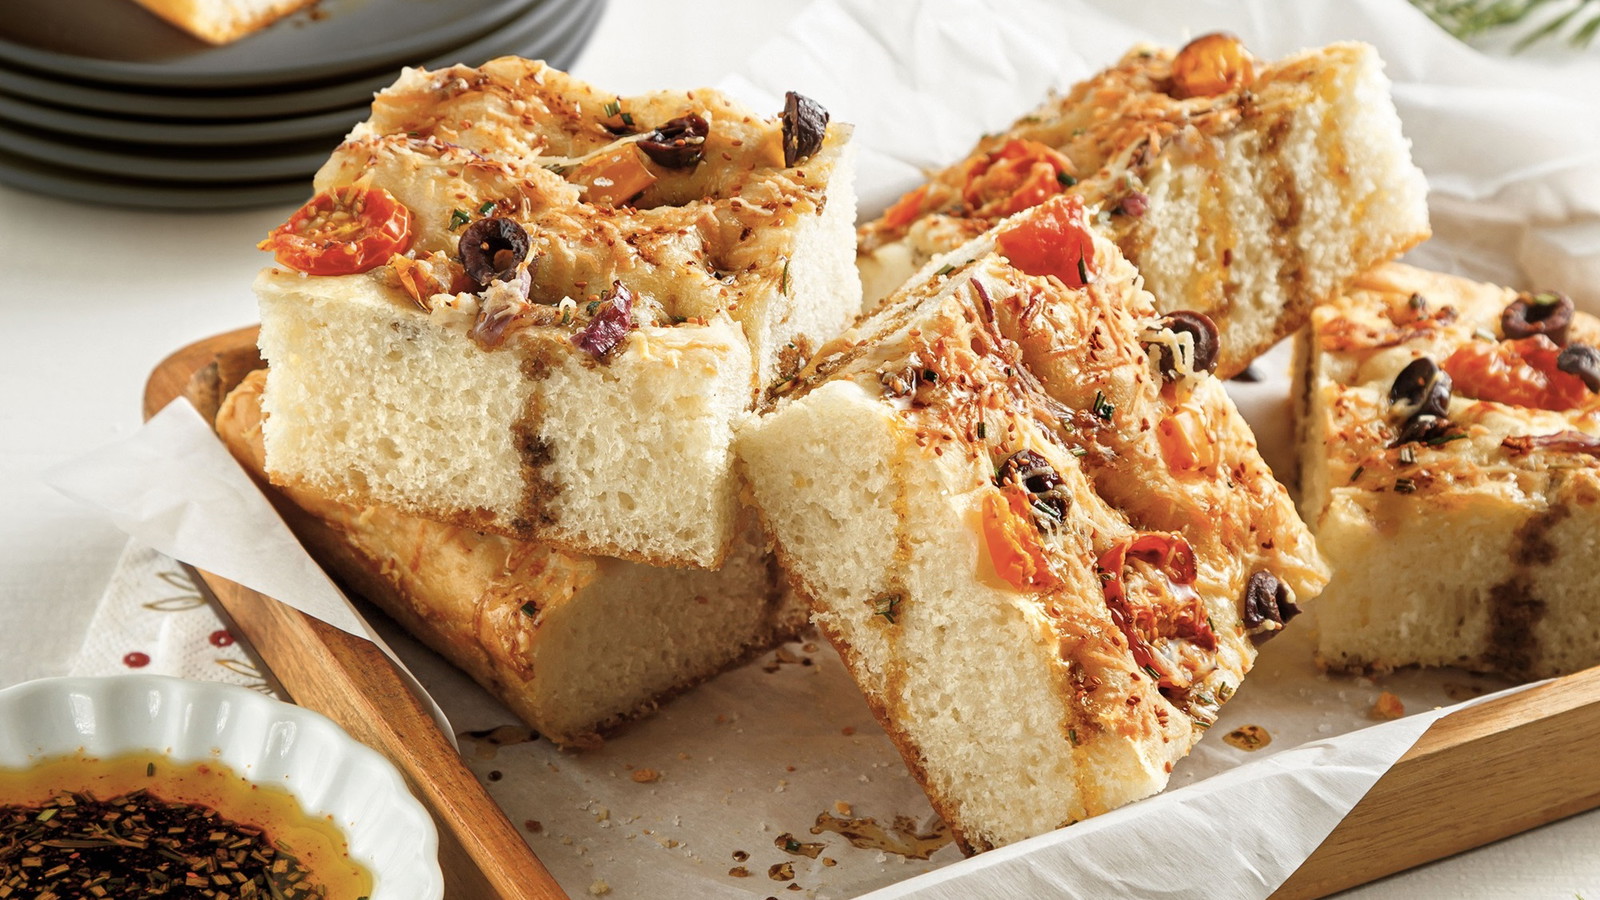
(1243,190)
(1449,437)
(572,644)
(540,328)
(223,21)
(1044,561)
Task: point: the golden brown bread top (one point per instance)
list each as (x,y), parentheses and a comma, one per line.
(1511,413)
(1133,507)
(1099,139)
(517,139)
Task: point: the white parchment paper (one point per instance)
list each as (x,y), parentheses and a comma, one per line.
(718,793)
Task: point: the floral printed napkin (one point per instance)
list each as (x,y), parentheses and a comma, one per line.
(152,619)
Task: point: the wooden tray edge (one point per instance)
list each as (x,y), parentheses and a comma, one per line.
(351,681)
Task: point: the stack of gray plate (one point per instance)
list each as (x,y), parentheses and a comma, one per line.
(102,101)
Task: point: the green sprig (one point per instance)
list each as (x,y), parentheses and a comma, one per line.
(1543,19)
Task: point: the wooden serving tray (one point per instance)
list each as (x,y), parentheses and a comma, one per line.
(1476,776)
(351,681)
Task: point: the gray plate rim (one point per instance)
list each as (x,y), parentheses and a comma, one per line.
(36,177)
(265,167)
(282,103)
(259,69)
(17,111)
(41,177)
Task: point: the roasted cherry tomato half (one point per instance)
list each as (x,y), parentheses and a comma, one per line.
(342,231)
(1054,240)
(1520,373)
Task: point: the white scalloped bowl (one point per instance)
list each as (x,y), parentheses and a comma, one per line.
(263,740)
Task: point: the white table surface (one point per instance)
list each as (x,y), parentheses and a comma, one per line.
(92,298)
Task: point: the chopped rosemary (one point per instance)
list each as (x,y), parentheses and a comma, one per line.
(458,218)
(1441,439)
(945,269)
(1408,455)
(1079,451)
(1357,473)
(1065,180)
(529,609)
(1103,408)
(888,607)
(1083,270)
(139,845)
(486,208)
(1404,486)
(783,280)
(613,108)
(1072,735)
(983,431)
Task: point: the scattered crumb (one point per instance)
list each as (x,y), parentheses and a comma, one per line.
(847,730)
(682,755)
(1248,737)
(842,808)
(721,719)
(533,826)
(783,871)
(566,839)
(788,768)
(602,814)
(1387,706)
(739,872)
(645,776)
(740,856)
(829,861)
(809,647)
(496,775)
(796,887)
(599,888)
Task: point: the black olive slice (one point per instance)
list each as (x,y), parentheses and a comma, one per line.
(1421,389)
(491,248)
(804,124)
(1547,312)
(1207,342)
(1266,600)
(1583,361)
(679,144)
(1034,474)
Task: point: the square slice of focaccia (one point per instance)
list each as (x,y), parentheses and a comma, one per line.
(526,306)
(1449,436)
(572,644)
(1244,190)
(1033,524)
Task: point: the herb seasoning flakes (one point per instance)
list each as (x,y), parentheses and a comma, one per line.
(138,844)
